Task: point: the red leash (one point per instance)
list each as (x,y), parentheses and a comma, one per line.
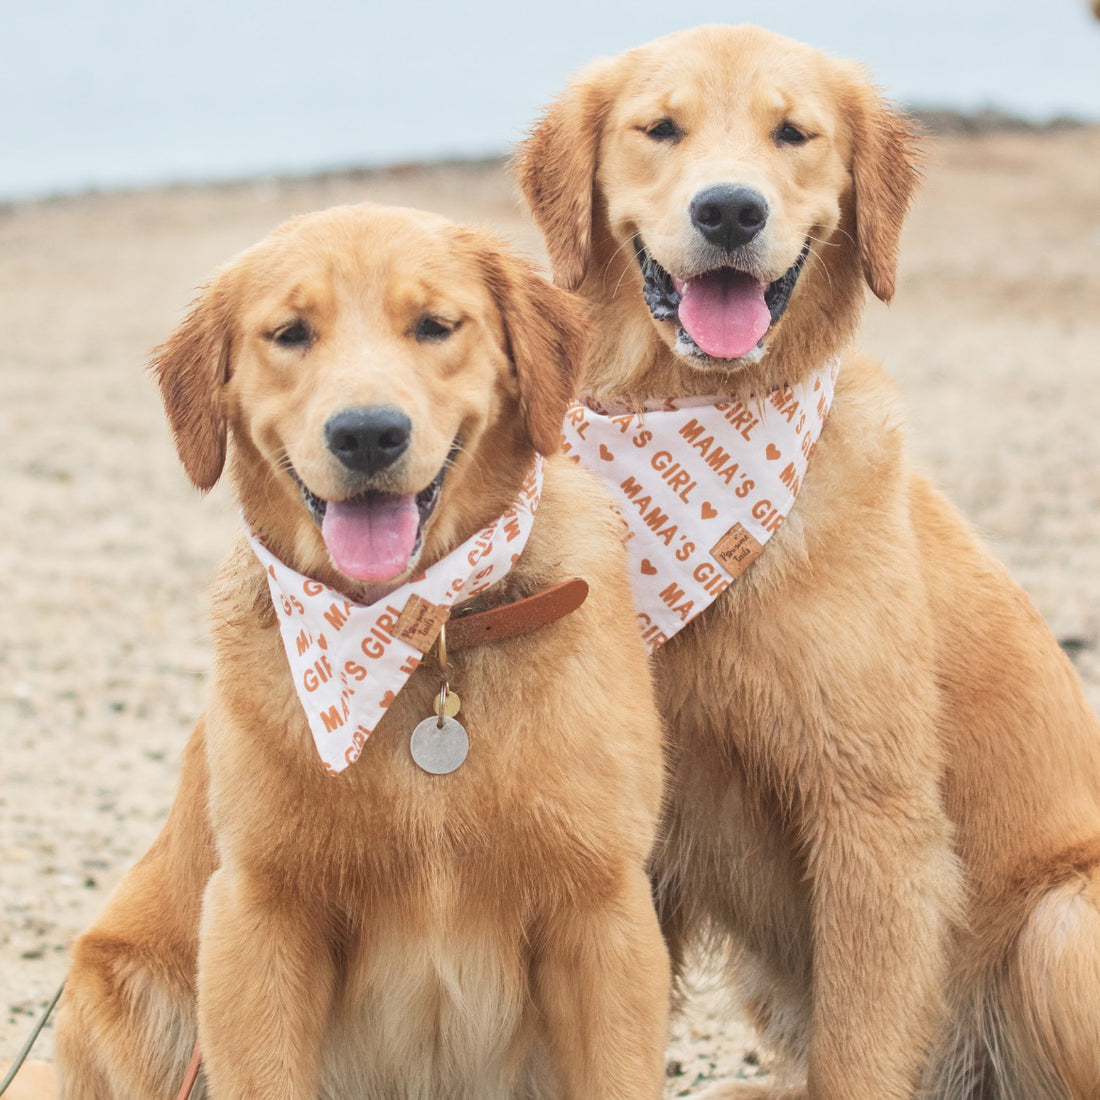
(192,1074)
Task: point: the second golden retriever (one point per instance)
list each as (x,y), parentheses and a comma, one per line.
(885,792)
(381,382)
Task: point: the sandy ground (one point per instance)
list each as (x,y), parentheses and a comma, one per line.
(105,551)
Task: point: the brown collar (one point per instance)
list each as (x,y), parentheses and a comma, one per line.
(511,620)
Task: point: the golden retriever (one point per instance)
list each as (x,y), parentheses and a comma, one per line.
(885,781)
(384,932)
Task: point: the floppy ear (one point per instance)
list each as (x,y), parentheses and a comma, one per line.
(192,367)
(556,171)
(546,330)
(886,163)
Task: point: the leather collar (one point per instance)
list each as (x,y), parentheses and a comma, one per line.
(512,620)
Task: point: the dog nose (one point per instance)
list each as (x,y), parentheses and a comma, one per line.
(729,216)
(368,439)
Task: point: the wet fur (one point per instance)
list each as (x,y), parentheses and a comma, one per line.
(384,933)
(885,796)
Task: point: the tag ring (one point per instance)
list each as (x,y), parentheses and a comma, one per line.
(443,692)
(441,649)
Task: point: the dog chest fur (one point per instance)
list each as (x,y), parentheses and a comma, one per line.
(430,1011)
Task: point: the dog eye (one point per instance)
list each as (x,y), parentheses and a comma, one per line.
(789,134)
(295,335)
(433,328)
(663,130)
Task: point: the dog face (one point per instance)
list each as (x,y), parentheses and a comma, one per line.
(721,168)
(386,378)
(735,167)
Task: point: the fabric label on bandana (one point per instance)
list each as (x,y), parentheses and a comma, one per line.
(348,660)
(702,484)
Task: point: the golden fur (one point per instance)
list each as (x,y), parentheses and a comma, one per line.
(885,784)
(385,933)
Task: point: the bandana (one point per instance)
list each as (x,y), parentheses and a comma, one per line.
(348,660)
(702,484)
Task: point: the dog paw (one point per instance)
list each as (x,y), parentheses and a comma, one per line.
(35,1081)
(751,1090)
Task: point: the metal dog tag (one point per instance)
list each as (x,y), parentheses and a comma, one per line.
(451,704)
(439,748)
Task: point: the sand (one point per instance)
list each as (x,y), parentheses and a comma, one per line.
(106,552)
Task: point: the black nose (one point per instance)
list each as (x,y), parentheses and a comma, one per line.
(368,439)
(729,216)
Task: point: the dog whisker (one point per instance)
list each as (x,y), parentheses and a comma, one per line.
(619,251)
(818,262)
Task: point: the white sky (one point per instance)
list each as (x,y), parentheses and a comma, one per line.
(136,91)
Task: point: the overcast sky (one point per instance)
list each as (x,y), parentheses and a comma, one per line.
(137,91)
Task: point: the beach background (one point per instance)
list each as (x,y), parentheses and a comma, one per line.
(140,147)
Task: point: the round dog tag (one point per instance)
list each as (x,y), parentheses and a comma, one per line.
(439,749)
(451,707)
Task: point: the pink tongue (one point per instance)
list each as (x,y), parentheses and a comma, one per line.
(724,312)
(371,538)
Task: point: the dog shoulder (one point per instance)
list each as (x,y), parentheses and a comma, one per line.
(852,516)
(240,596)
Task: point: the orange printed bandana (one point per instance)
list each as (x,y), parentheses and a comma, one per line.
(702,485)
(348,660)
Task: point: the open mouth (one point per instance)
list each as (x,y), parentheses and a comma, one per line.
(376,536)
(723,313)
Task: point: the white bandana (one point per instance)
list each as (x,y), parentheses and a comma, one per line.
(349,661)
(702,485)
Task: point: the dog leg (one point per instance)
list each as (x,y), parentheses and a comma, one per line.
(125,1026)
(1049,1000)
(1026,1023)
(752,1090)
(885,892)
(126,1021)
(601,981)
(266,982)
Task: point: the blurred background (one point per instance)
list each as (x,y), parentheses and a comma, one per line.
(135,92)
